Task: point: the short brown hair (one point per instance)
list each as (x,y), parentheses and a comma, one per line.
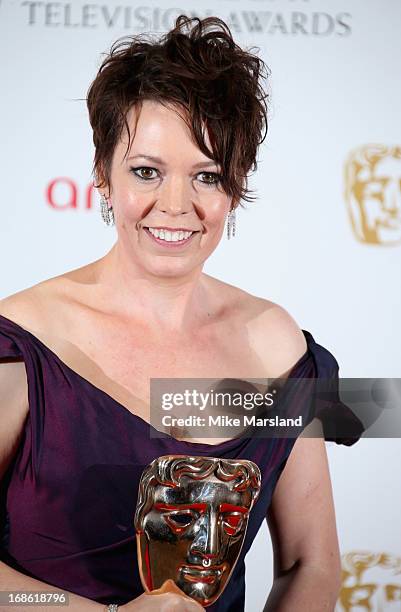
(202,71)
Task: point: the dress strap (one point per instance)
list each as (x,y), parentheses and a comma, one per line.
(340,423)
(18,344)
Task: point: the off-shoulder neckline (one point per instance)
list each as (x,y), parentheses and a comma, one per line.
(201,446)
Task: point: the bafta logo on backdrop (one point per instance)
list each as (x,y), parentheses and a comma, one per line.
(370,581)
(373,193)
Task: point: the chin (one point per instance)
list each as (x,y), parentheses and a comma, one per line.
(171,271)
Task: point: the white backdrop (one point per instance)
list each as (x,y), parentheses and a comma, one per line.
(335,88)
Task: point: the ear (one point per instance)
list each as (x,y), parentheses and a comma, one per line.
(101,183)
(234,203)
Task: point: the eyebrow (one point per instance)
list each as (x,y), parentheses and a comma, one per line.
(201,507)
(158,160)
(196,506)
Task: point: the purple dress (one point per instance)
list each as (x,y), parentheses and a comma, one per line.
(68,498)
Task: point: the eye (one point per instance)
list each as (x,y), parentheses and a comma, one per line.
(180,520)
(375,190)
(144,172)
(212,178)
(233,523)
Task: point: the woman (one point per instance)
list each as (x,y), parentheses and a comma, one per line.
(176,126)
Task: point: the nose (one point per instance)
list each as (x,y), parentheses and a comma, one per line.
(392,198)
(175,196)
(207,541)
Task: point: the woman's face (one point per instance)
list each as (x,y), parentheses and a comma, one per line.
(164,189)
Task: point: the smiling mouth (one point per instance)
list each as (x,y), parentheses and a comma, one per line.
(169,237)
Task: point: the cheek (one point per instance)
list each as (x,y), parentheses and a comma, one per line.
(131,207)
(217,210)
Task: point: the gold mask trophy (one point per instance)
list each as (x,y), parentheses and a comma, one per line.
(191,520)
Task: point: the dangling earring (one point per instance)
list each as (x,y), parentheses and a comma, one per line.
(106,212)
(231,224)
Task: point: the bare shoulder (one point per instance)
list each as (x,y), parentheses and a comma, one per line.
(22,306)
(271,330)
(34,307)
(275,335)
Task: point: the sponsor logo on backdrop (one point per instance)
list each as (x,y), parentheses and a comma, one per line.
(271,17)
(370,581)
(63,193)
(372,177)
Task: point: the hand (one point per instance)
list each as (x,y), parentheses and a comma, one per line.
(169,598)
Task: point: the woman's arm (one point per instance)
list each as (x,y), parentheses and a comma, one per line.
(11,580)
(301,519)
(13,412)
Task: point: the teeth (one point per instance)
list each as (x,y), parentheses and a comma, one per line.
(169,236)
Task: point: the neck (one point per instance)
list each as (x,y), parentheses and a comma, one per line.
(177,303)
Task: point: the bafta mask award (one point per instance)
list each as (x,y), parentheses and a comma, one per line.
(191,520)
